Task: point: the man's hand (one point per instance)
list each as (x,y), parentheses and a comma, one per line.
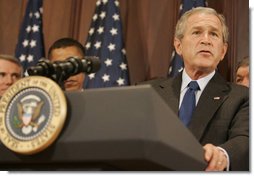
(217,160)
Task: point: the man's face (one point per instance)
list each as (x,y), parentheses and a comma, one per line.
(9,74)
(74,82)
(202,47)
(242,76)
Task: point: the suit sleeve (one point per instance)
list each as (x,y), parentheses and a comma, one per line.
(237,145)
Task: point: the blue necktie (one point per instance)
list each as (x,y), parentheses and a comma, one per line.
(188,103)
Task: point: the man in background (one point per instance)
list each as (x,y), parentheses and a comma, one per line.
(10,71)
(63,49)
(242,72)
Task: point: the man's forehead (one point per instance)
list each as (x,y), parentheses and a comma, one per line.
(63,53)
(10,67)
(4,62)
(204,18)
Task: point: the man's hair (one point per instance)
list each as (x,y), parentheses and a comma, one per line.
(243,63)
(181,24)
(11,59)
(66,42)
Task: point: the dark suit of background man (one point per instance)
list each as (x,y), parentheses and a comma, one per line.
(220,120)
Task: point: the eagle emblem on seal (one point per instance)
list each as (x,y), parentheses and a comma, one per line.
(29,110)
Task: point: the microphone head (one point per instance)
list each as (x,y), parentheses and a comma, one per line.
(35,70)
(43,68)
(93,64)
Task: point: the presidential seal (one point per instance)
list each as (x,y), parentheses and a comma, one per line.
(32,114)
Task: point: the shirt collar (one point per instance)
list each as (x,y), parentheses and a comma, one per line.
(202,82)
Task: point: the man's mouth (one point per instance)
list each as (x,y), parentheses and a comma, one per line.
(69,81)
(205,52)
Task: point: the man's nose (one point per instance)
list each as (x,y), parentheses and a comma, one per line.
(205,39)
(9,80)
(245,82)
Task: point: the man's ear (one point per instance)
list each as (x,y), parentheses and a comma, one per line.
(224,51)
(178,46)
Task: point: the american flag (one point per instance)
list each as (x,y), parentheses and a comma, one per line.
(30,46)
(177,64)
(105,41)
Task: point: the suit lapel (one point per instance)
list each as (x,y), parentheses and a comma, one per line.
(170,90)
(215,93)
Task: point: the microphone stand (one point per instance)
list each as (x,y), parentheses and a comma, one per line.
(59,77)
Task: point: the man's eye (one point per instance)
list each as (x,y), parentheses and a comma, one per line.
(239,80)
(2,74)
(214,34)
(196,32)
(16,76)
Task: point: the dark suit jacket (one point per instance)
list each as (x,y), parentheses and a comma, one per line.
(221,116)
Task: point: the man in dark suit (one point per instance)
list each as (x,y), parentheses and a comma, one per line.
(220,120)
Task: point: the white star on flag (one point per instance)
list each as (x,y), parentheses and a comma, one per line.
(88,45)
(91,31)
(37,15)
(104,1)
(91,75)
(120,81)
(98,3)
(105,77)
(102,15)
(108,62)
(111,46)
(22,58)
(123,51)
(28,29)
(25,43)
(97,45)
(35,28)
(123,66)
(33,43)
(30,58)
(180,69)
(115,17)
(117,3)
(113,31)
(100,30)
(95,17)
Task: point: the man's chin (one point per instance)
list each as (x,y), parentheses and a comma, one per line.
(71,87)
(2,92)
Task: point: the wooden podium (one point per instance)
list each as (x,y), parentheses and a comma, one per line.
(116,129)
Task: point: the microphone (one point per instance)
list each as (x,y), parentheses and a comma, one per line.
(70,66)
